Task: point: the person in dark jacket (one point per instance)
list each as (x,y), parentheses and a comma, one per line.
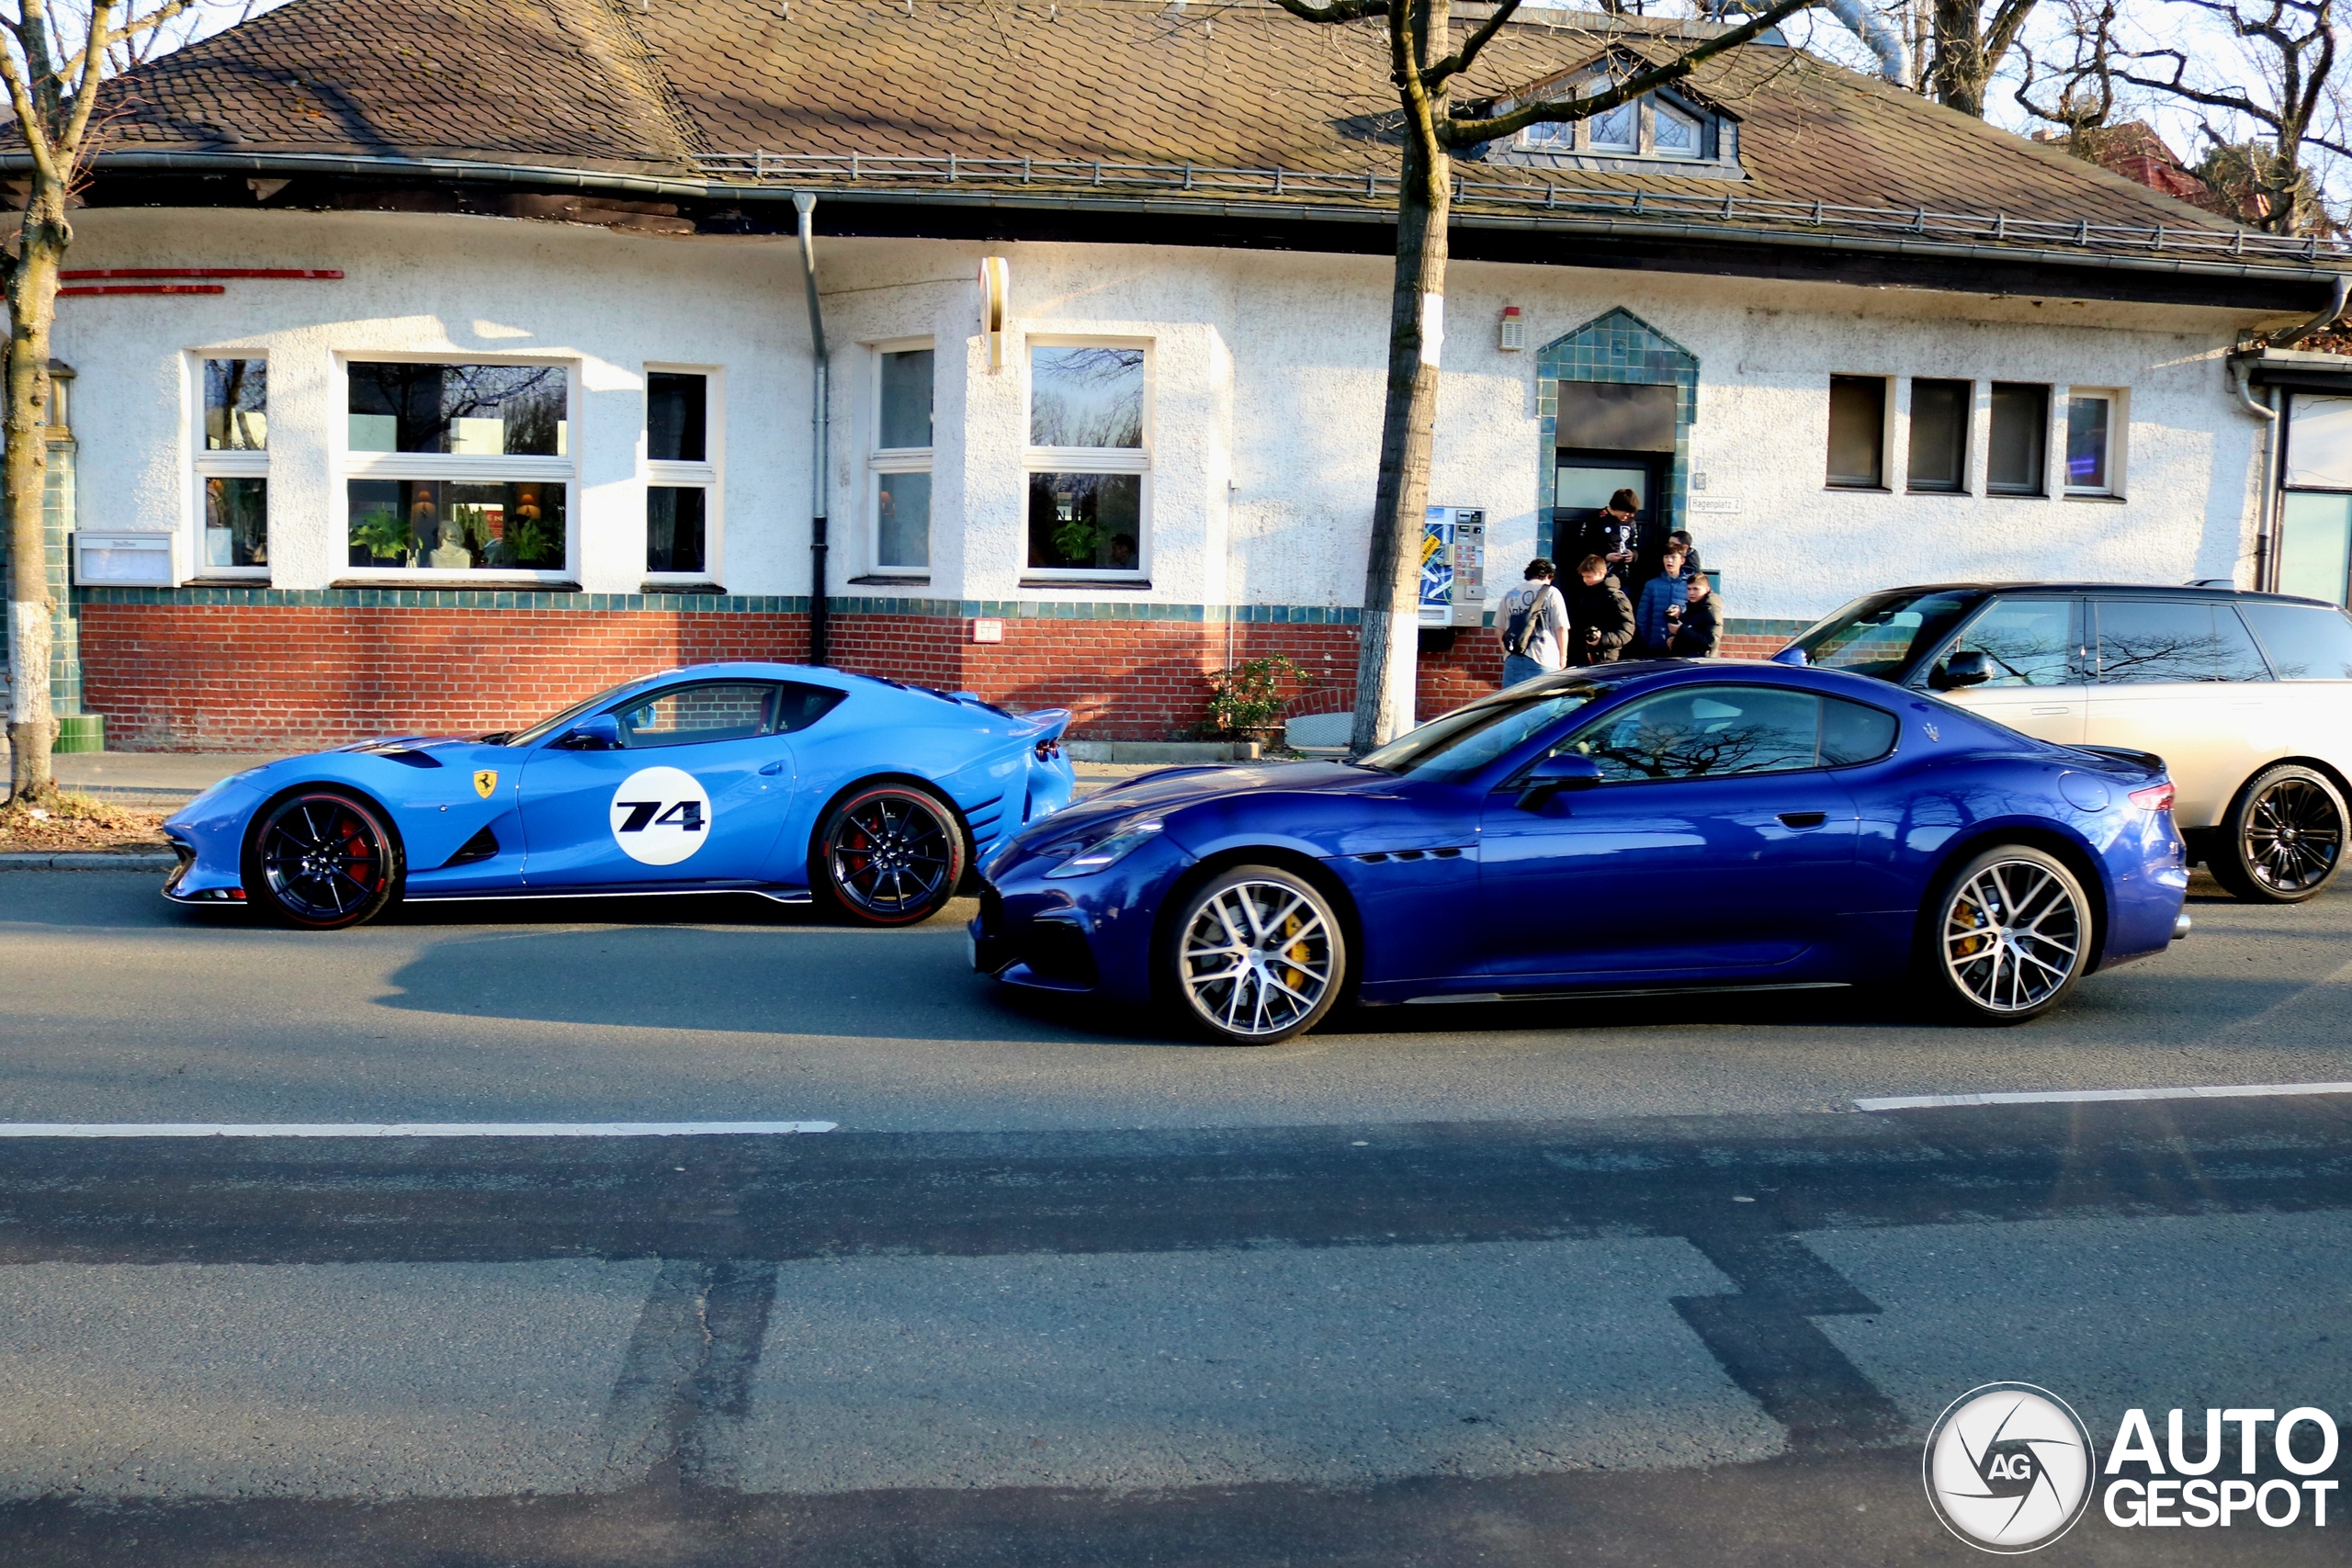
(1660,613)
(1701,631)
(1615,536)
(1601,620)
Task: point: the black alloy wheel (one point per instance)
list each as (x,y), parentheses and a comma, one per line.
(889,855)
(2008,936)
(322,860)
(2284,838)
(1256,956)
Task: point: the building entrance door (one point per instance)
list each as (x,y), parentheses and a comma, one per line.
(1609,437)
(1582,487)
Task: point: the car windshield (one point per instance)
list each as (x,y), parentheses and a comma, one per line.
(548,726)
(1882,635)
(1450,748)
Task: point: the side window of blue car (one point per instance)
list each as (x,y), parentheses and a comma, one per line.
(1855,732)
(1706,732)
(699,714)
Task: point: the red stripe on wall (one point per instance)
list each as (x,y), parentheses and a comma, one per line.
(77,274)
(143,288)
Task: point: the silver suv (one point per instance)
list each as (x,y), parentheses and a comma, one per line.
(2248,698)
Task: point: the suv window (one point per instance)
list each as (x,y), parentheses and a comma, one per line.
(2029,642)
(692,716)
(1705,732)
(2143,640)
(2306,642)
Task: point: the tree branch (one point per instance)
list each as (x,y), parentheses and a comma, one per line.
(1337,11)
(1460,133)
(1462,59)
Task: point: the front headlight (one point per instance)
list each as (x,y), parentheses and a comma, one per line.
(1109,851)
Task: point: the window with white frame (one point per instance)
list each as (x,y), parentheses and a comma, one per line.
(1550,138)
(1674,134)
(1089,460)
(233,466)
(681,475)
(1618,130)
(2094,441)
(453,468)
(900,460)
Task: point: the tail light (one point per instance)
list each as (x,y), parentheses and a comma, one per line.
(2155,797)
(1049,749)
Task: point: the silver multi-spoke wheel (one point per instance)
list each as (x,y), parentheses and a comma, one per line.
(2012,933)
(2286,838)
(1260,955)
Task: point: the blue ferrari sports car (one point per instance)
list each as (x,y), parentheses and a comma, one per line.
(1620,829)
(799,784)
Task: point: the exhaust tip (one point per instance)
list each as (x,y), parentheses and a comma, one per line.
(2180,925)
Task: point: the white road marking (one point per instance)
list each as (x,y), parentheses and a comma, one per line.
(2074,1096)
(407,1129)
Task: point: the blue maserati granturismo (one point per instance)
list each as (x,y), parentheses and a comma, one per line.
(802,785)
(1627,828)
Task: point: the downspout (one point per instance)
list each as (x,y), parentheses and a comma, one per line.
(2265,508)
(819,625)
(2285,337)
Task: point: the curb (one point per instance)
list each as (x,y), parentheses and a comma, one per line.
(90,860)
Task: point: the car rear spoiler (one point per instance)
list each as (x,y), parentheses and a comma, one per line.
(1043,723)
(2147,760)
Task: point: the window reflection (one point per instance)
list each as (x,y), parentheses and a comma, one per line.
(2143,640)
(1706,731)
(2029,642)
(468,410)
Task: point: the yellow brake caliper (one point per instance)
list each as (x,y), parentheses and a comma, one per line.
(1295,953)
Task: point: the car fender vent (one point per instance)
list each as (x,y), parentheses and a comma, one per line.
(410,758)
(481,846)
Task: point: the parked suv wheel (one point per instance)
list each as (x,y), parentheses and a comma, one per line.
(2007,938)
(2283,839)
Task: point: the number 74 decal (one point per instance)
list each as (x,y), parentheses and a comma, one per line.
(685,815)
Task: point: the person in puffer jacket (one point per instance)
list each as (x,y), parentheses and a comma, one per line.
(1601,622)
(1701,632)
(1660,615)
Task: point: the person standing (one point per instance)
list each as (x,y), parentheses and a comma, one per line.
(1702,630)
(1532,621)
(1615,536)
(1660,615)
(1601,620)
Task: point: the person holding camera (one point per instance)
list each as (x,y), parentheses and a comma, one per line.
(1600,619)
(1701,631)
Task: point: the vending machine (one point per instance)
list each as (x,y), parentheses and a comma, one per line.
(1454,566)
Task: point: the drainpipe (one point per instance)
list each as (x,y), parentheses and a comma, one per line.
(2265,506)
(819,621)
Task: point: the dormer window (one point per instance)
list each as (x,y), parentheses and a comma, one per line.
(1666,126)
(1619,129)
(1674,134)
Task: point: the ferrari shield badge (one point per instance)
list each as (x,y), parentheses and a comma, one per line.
(485,781)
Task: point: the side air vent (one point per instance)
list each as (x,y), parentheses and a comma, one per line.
(481,846)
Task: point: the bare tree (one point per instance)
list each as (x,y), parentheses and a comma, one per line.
(51,59)
(2290,107)
(1425,61)
(1969,40)
(2075,94)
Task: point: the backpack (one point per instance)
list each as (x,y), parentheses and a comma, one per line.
(1519,632)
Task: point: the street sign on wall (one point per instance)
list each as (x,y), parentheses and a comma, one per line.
(1454,566)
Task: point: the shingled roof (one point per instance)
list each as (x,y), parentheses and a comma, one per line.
(1236,103)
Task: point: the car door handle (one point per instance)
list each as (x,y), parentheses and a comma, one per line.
(1804,818)
(2050,712)
(775,767)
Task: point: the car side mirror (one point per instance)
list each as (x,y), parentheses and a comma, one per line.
(600,732)
(1562,771)
(1970,667)
(1794,655)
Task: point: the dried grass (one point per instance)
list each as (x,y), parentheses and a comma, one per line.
(68,822)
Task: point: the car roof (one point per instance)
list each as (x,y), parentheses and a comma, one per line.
(2155,589)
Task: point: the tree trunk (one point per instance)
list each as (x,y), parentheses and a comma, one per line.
(1958,70)
(1386,667)
(24,474)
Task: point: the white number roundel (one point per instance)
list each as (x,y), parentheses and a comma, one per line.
(660,816)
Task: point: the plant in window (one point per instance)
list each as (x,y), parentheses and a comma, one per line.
(1248,698)
(384,533)
(529,539)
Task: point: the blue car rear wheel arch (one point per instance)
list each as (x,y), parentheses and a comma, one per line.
(874,780)
(2088,868)
(1200,872)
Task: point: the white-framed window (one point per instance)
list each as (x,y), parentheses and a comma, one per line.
(1674,134)
(2094,441)
(681,475)
(1089,458)
(458,466)
(1618,130)
(1857,431)
(232,446)
(1559,138)
(900,462)
(2017,452)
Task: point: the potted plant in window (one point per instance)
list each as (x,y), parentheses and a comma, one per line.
(1246,702)
(383,534)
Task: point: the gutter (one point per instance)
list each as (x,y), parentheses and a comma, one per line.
(820,620)
(659,187)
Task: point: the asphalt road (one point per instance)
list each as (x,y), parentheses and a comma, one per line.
(1634,1285)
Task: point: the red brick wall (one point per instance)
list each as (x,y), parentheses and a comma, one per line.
(178,677)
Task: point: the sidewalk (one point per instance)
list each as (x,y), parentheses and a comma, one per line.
(161,781)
